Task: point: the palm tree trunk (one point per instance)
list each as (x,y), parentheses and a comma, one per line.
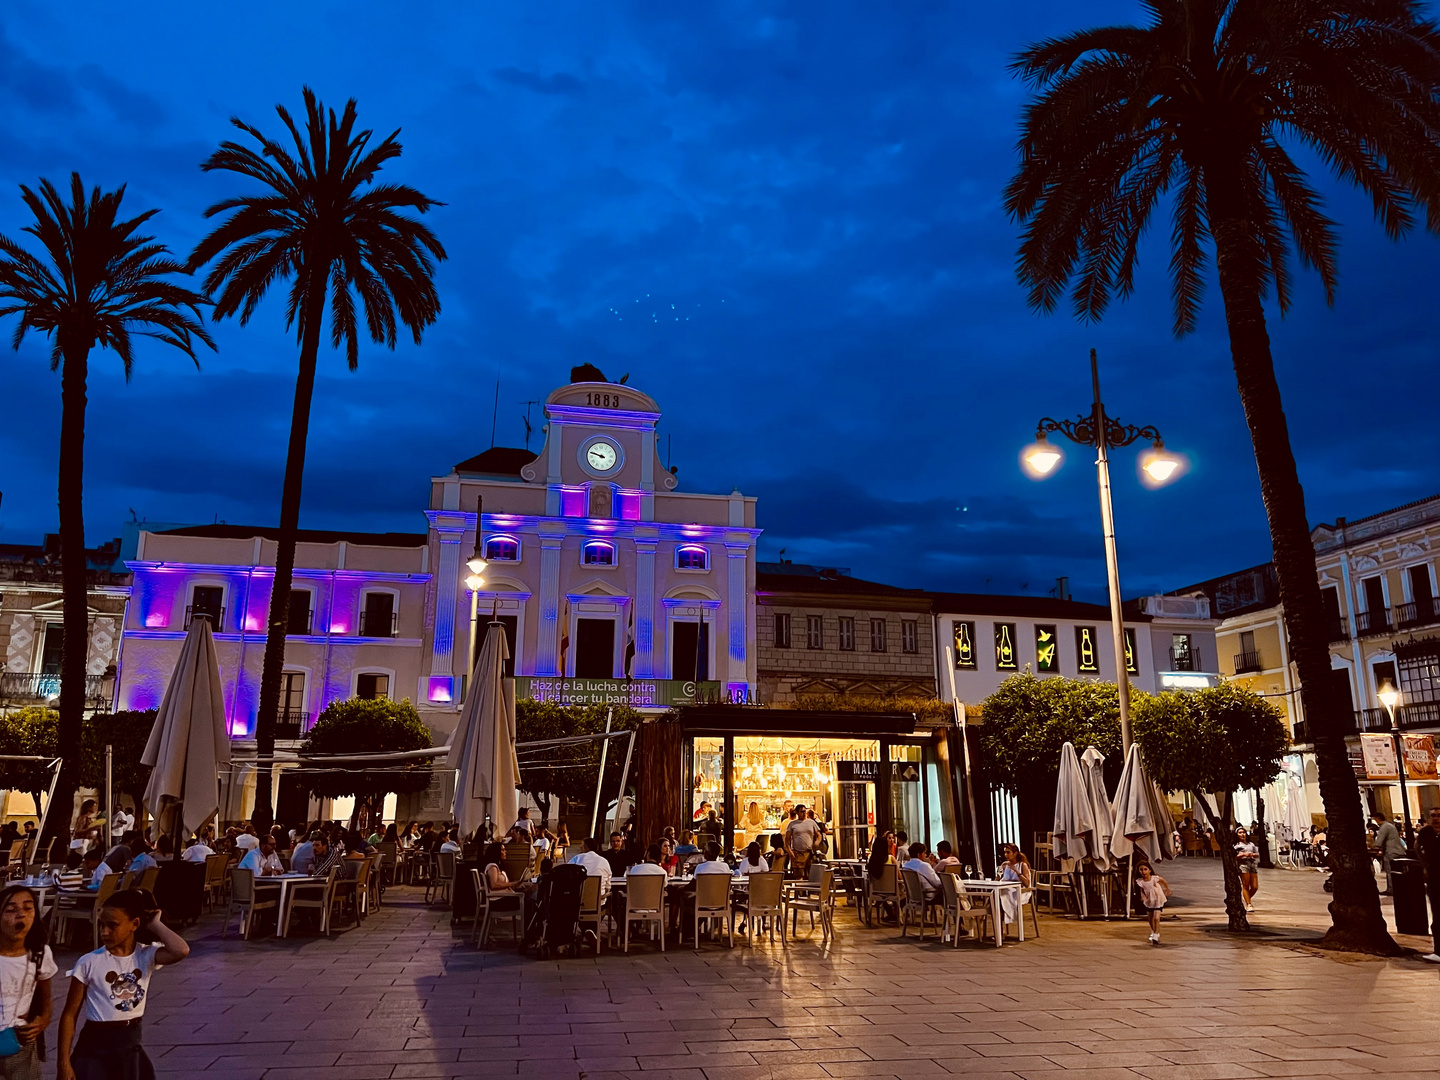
(1356,919)
(274,664)
(73,583)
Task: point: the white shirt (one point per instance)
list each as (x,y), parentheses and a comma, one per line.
(719,866)
(595,866)
(451,846)
(747,867)
(524,825)
(246,842)
(115,986)
(258,864)
(17,984)
(122,822)
(102,871)
(927,874)
(196,853)
(644,868)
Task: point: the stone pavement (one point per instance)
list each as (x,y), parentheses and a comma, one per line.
(401,997)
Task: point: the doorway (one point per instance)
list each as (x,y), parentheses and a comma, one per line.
(690,651)
(594,648)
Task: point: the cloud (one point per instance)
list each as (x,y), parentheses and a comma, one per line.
(560,84)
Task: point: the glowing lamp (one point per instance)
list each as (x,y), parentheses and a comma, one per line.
(473,582)
(477,565)
(1158,464)
(1388,695)
(1042,457)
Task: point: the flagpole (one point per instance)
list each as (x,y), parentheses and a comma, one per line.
(600,779)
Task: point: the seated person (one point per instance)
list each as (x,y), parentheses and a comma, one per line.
(668,859)
(326,857)
(686,847)
(929,880)
(496,880)
(94,868)
(262,861)
(596,865)
(654,855)
(302,859)
(140,857)
(754,862)
(617,855)
(777,852)
(196,851)
(713,864)
(682,913)
(945,857)
(452,844)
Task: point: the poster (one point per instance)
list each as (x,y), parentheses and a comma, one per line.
(1420,757)
(1379,755)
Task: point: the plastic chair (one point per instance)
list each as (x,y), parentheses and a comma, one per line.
(245,898)
(316,897)
(916,904)
(497,906)
(959,911)
(765,900)
(645,902)
(880,891)
(148,878)
(819,901)
(712,901)
(591,908)
(215,877)
(84,907)
(442,875)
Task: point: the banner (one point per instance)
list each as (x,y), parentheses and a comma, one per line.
(1420,758)
(637,693)
(1379,755)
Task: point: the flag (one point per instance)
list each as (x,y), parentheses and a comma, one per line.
(630,642)
(564,629)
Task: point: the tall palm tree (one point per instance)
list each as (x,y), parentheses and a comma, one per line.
(1205,105)
(322,223)
(99,283)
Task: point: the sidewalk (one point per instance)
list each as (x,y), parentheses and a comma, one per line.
(402,997)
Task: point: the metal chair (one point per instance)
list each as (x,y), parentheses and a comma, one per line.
(764,900)
(916,903)
(645,902)
(712,901)
(245,898)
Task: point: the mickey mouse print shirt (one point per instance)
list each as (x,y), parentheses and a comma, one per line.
(116,986)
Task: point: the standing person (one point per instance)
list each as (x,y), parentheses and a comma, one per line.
(1392,847)
(109,987)
(1427,850)
(1248,855)
(802,835)
(1154,892)
(26,968)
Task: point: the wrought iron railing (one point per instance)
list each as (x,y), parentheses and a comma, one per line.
(378,623)
(214,614)
(1339,629)
(1417,613)
(1183,660)
(1372,622)
(300,621)
(34,686)
(1247,662)
(290,724)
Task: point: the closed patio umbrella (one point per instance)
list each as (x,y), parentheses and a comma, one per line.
(189,744)
(482,750)
(1297,809)
(1142,818)
(1074,829)
(1092,764)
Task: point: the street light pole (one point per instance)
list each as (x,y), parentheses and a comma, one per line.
(1390,697)
(1103,432)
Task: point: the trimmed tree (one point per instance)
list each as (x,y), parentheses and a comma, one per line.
(31,730)
(368,725)
(1219,740)
(1027,720)
(569,772)
(126,733)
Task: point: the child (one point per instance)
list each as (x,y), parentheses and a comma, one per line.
(1154,891)
(26,968)
(109,986)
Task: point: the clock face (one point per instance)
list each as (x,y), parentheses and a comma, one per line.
(601,456)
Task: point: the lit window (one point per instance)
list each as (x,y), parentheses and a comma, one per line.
(597,553)
(502,549)
(692,558)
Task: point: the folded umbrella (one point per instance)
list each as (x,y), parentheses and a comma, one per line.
(482,750)
(1074,830)
(1142,820)
(1092,764)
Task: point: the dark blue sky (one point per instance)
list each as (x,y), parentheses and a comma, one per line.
(783,221)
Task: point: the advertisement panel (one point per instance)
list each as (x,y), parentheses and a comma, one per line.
(1420,758)
(1379,754)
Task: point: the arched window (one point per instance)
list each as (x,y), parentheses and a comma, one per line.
(597,553)
(692,557)
(502,549)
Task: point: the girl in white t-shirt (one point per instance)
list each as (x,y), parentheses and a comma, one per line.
(109,987)
(26,967)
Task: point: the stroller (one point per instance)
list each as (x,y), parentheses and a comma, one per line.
(553,921)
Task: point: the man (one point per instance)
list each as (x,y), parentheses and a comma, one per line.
(713,864)
(94,868)
(929,879)
(595,864)
(247,840)
(120,821)
(140,857)
(617,855)
(802,834)
(946,856)
(262,861)
(302,859)
(1392,847)
(196,851)
(117,859)
(1427,850)
(701,813)
(326,856)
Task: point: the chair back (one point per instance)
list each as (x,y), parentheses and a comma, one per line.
(128,879)
(242,886)
(914,888)
(388,847)
(817,870)
(953,896)
(765,889)
(108,885)
(644,892)
(17,850)
(445,865)
(712,892)
(215,869)
(362,872)
(887,883)
(590,896)
(827,884)
(516,863)
(482,890)
(148,877)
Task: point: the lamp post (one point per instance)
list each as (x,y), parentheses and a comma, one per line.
(1390,698)
(1042,457)
(476,565)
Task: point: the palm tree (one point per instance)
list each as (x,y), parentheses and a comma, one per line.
(98,284)
(322,223)
(1206,104)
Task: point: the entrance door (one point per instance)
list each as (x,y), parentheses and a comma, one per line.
(594,648)
(690,651)
(857,817)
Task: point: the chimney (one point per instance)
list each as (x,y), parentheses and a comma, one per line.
(1062,588)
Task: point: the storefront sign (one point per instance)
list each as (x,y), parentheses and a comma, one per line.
(1420,758)
(636,693)
(1379,755)
(868,772)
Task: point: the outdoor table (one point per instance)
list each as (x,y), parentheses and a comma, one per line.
(995,888)
(286,884)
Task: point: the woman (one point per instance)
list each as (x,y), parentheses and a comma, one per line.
(496,880)
(1248,855)
(880,849)
(686,847)
(754,862)
(1015,868)
(754,818)
(777,852)
(85,831)
(392,835)
(669,860)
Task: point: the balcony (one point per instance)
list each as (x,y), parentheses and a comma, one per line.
(1422,714)
(1247,662)
(378,623)
(1183,660)
(1339,629)
(1368,623)
(1300,733)
(300,622)
(215,615)
(290,724)
(43,688)
(1417,613)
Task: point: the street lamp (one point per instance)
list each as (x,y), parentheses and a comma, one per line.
(1157,467)
(1390,698)
(476,565)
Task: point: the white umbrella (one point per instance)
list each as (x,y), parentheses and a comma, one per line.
(1092,763)
(1074,829)
(189,744)
(482,750)
(1297,809)
(1142,818)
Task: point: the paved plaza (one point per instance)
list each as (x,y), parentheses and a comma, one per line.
(402,997)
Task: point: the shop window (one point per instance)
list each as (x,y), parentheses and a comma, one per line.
(877,635)
(594,648)
(1047,649)
(1087,651)
(847,633)
(378,617)
(597,553)
(909,636)
(782,631)
(1005,654)
(372,685)
(1132,654)
(965,646)
(814,632)
(692,558)
(300,616)
(502,549)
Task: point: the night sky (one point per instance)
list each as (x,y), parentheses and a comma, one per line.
(783,221)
